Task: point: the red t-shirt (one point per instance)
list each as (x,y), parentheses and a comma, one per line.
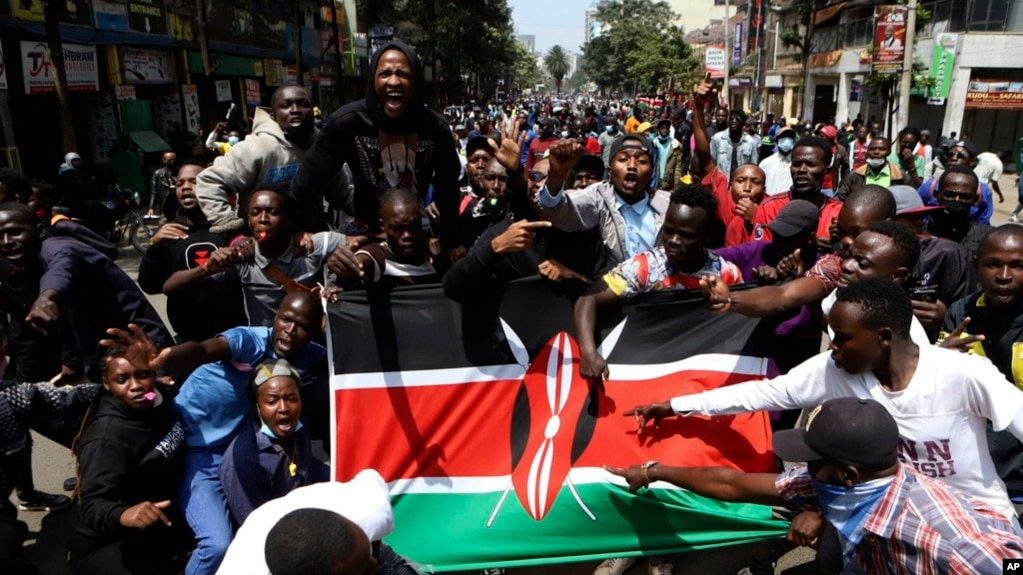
(770,207)
(737,233)
(717,183)
(593,147)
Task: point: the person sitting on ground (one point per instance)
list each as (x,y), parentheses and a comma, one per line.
(940,398)
(274,455)
(678,264)
(185,242)
(42,200)
(214,408)
(989,323)
(334,528)
(129,459)
(885,515)
(266,266)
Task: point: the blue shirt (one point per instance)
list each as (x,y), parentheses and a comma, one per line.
(212,402)
(640,226)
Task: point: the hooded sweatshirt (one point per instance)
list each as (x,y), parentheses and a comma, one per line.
(415,151)
(264,157)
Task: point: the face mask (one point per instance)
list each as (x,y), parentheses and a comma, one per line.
(785,145)
(847,508)
(611,129)
(232,140)
(664,139)
(956,210)
(564,133)
(267,432)
(876,162)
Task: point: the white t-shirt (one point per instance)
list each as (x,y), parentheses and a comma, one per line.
(777,174)
(364,501)
(941,414)
(989,168)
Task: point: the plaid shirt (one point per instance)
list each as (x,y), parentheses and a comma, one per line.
(922,527)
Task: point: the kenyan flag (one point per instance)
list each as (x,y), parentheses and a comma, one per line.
(493,444)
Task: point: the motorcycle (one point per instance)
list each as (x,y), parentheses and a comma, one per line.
(116,217)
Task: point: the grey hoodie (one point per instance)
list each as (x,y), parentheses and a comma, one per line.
(264,157)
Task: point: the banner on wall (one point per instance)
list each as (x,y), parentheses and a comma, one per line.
(146,66)
(941,67)
(889,39)
(737,45)
(80,65)
(994,95)
(715,61)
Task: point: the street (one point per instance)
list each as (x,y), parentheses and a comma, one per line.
(52,464)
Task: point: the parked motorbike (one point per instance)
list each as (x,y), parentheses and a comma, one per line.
(115,218)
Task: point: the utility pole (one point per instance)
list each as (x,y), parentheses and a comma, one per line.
(728,56)
(902,118)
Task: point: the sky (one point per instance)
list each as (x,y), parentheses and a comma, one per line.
(552,22)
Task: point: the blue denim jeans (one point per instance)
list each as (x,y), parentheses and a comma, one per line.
(201,497)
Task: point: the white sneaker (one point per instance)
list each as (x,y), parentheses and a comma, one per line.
(615,566)
(661,569)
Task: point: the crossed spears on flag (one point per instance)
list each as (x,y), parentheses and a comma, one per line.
(553,385)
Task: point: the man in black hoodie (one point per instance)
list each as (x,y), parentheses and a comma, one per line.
(390,140)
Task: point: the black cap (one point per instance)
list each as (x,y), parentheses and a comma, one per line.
(477,143)
(664,122)
(631,141)
(848,430)
(968,145)
(796,216)
(737,112)
(592,163)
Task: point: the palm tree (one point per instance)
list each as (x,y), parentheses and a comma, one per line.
(557,64)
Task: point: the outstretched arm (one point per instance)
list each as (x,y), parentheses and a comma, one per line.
(720,483)
(762,301)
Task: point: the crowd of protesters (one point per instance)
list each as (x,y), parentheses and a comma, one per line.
(198,445)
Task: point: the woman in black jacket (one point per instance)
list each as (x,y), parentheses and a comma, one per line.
(128,470)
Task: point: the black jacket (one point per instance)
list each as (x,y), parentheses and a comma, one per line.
(203,311)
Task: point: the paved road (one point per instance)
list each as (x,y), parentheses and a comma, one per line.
(52,464)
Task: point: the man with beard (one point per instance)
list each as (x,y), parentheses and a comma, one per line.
(811,157)
(957,193)
(270,155)
(733,148)
(389,139)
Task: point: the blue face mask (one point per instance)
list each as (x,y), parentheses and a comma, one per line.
(232,140)
(785,144)
(847,508)
(269,433)
(564,133)
(611,129)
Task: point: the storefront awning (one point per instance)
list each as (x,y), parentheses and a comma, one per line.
(149,141)
(827,13)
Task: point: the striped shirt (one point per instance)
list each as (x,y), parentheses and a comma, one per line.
(651,271)
(922,527)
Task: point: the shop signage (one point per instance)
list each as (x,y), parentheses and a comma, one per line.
(80,66)
(274,71)
(252,96)
(74,12)
(941,67)
(994,95)
(148,16)
(190,98)
(223,88)
(715,61)
(737,45)
(146,66)
(889,37)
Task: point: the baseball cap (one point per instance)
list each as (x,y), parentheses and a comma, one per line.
(830,132)
(786,131)
(848,430)
(796,216)
(664,122)
(907,201)
(972,149)
(631,141)
(271,369)
(644,127)
(477,143)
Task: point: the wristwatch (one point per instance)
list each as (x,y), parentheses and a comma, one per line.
(644,470)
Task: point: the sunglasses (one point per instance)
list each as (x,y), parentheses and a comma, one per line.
(957,156)
(537,176)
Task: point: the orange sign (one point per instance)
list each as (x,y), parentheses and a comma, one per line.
(994,95)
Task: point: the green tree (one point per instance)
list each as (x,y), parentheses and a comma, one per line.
(640,49)
(524,71)
(578,81)
(557,64)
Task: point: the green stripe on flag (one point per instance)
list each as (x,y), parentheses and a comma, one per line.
(447,531)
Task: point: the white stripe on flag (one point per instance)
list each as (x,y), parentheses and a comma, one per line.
(427,377)
(498,483)
(721,362)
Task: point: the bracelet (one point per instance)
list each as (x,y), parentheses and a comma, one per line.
(646,477)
